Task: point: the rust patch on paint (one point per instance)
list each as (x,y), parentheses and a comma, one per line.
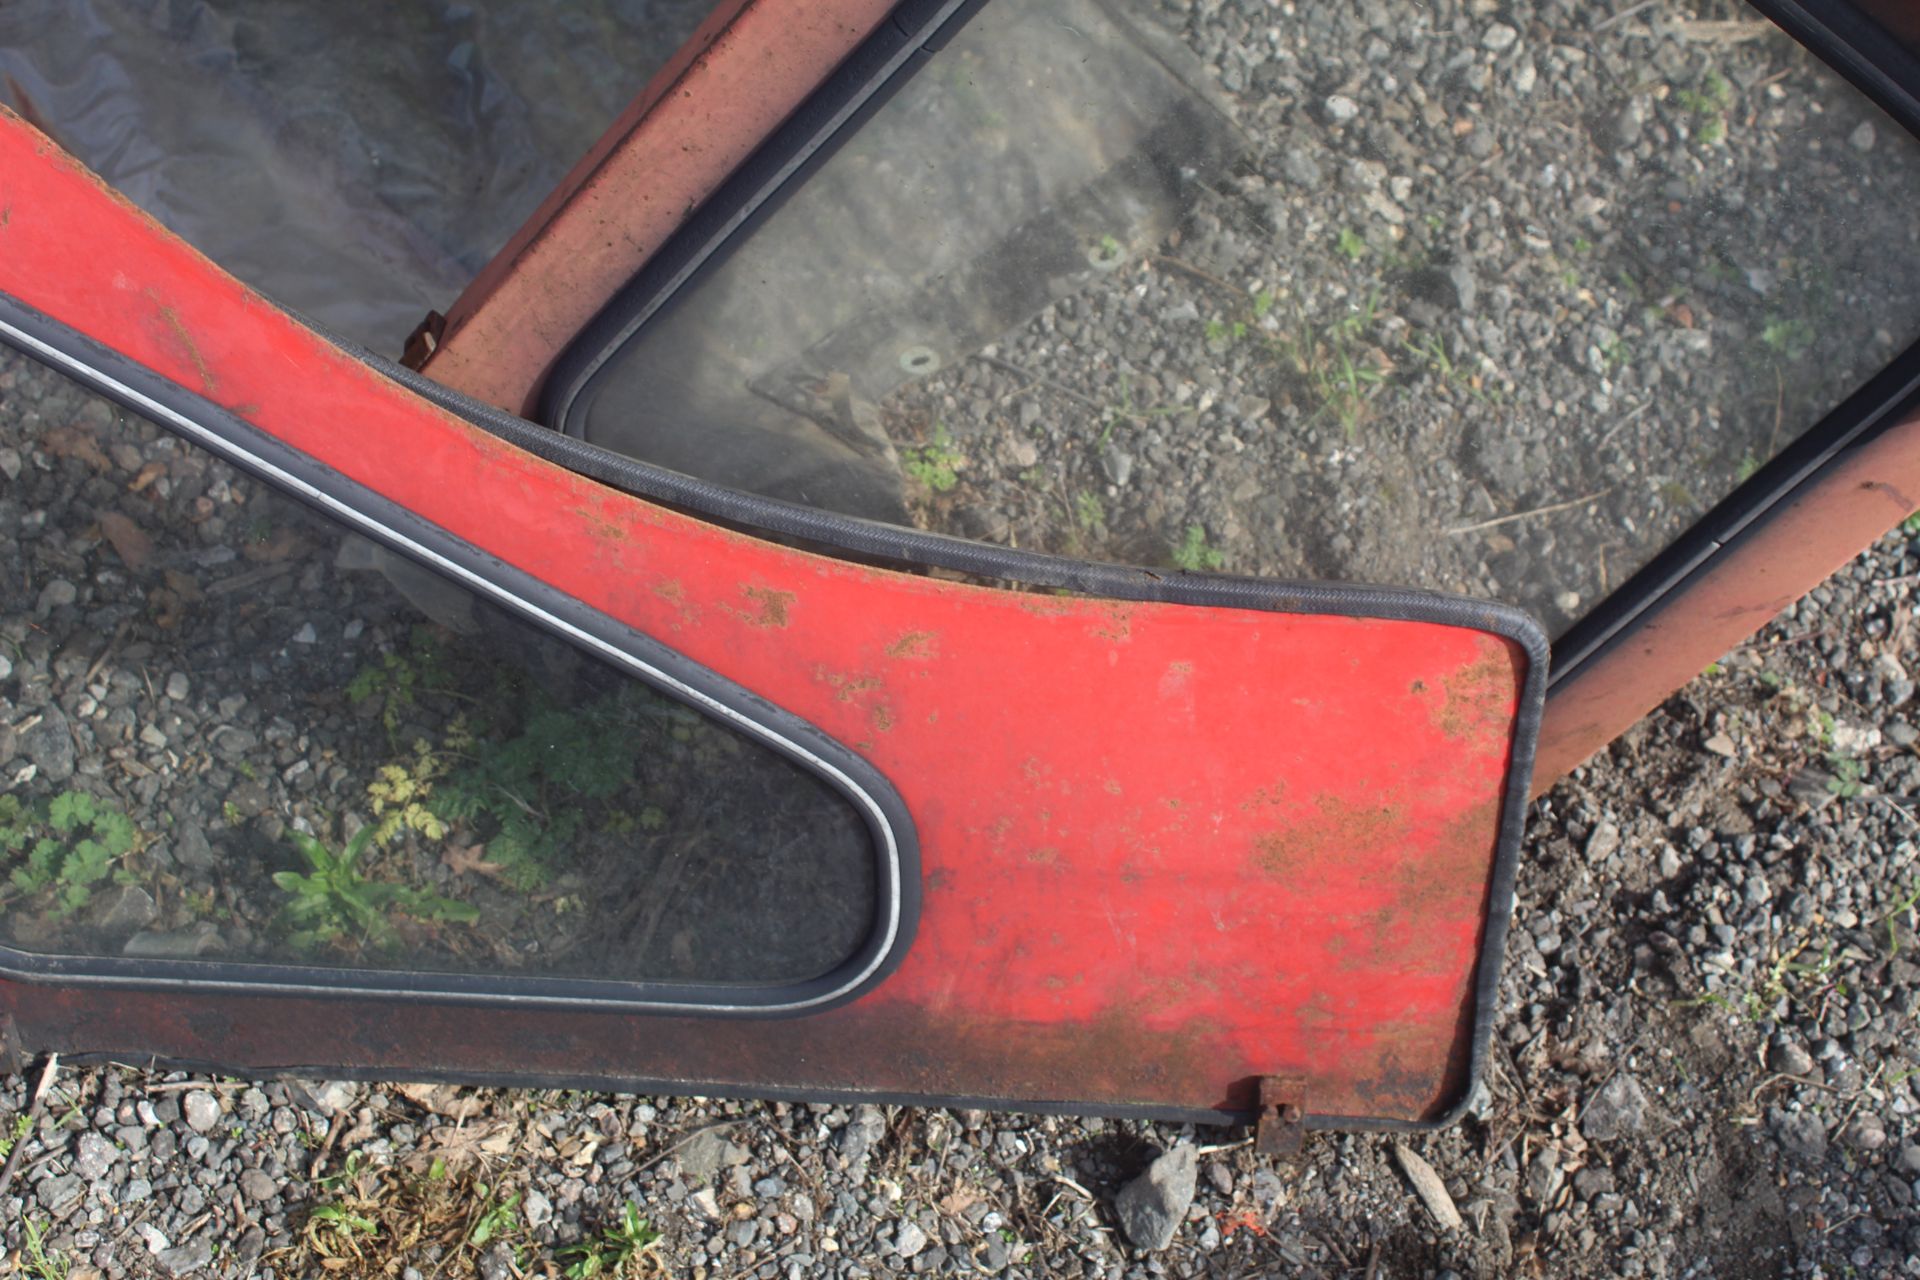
(1342,826)
(180,335)
(915,645)
(1118,624)
(1265,798)
(883,718)
(772,607)
(1477,699)
(847,688)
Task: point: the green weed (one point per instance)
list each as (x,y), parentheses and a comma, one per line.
(400,790)
(64,846)
(399,680)
(1708,105)
(334,903)
(616,1251)
(528,794)
(1194,555)
(499,1216)
(1787,337)
(935,465)
(42,1263)
(18,1131)
(1127,411)
(1089,512)
(1352,245)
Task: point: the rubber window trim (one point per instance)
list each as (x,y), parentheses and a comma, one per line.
(890,826)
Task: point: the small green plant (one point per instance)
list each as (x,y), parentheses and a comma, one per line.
(1342,374)
(335,903)
(499,1216)
(1708,105)
(399,680)
(1352,245)
(1127,411)
(65,846)
(1787,337)
(1911,525)
(936,464)
(1226,331)
(1431,350)
(401,788)
(615,1251)
(1194,555)
(527,794)
(16,1132)
(42,1263)
(1892,918)
(1845,776)
(1088,511)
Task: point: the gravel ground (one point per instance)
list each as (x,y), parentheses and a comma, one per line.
(1703,1068)
(1475,261)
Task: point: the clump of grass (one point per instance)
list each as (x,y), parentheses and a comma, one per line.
(616,1252)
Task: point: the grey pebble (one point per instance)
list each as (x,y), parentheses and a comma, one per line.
(59,1194)
(93,1156)
(257,1186)
(1150,1207)
(201,1109)
(1619,1108)
(1802,1134)
(58,593)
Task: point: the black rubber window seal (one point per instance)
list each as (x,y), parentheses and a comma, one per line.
(880,807)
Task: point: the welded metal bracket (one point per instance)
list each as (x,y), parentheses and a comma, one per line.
(1281,1129)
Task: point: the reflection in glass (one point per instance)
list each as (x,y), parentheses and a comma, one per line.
(225,734)
(1487,308)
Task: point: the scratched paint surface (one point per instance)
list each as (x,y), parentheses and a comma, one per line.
(1166,848)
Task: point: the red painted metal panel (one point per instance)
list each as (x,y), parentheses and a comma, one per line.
(1166,848)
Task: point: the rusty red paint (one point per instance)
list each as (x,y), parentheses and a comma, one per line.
(751,63)
(1167,849)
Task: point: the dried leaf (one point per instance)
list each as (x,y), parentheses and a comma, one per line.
(461,858)
(72,442)
(133,546)
(442,1100)
(148,474)
(1428,1186)
(958,1201)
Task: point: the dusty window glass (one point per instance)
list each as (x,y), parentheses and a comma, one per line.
(228,731)
(358,160)
(1491,300)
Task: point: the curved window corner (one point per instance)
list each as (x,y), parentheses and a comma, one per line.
(247,745)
